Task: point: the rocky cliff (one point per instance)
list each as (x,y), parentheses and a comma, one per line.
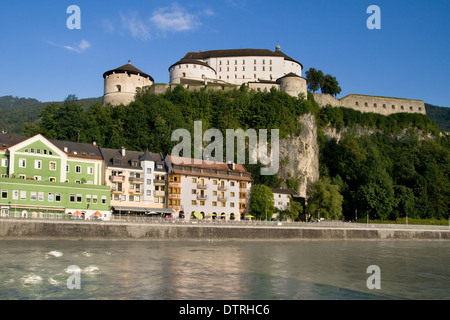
(299,156)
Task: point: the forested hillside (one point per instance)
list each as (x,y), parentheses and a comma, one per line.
(15,112)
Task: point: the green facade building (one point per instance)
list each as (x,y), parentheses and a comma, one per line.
(52,179)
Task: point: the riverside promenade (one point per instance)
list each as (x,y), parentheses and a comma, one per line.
(212,230)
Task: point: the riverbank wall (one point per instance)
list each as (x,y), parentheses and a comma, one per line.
(84,230)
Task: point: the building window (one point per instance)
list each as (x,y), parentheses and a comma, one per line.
(23,195)
(137,199)
(103,199)
(232,204)
(40,196)
(22,163)
(194,203)
(33,195)
(37,164)
(4,162)
(119,88)
(90,170)
(72,197)
(149,181)
(4,194)
(67,168)
(52,165)
(58,197)
(37,178)
(51,197)
(149,192)
(77,169)
(52,179)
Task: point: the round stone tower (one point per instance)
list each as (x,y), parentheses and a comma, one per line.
(293,84)
(122,84)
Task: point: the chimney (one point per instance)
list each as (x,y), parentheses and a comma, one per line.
(66,149)
(129,61)
(231,165)
(123,152)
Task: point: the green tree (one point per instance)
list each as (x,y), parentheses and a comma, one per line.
(330,85)
(292,212)
(315,79)
(325,199)
(261,202)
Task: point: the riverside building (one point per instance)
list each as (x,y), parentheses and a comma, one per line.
(43,178)
(199,189)
(138,182)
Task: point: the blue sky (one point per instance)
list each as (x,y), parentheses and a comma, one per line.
(408,57)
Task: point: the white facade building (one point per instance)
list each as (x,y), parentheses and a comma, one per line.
(233,66)
(282,198)
(216,191)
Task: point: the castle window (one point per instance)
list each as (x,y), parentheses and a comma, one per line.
(270,68)
(420,109)
(235,76)
(264,61)
(220,69)
(411,108)
(119,88)
(228,62)
(403,108)
(384,106)
(243,68)
(235,68)
(235,61)
(254,68)
(374,105)
(254,61)
(184,74)
(356,103)
(366,104)
(270,61)
(263,68)
(243,61)
(393,106)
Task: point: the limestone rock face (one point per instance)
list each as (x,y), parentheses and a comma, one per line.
(299,156)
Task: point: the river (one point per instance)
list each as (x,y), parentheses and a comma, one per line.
(224,270)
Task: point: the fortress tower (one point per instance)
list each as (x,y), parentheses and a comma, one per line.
(122,84)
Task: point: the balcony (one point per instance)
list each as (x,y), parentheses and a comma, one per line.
(201,186)
(138,192)
(159,181)
(159,193)
(117,178)
(222,199)
(222,188)
(117,190)
(136,180)
(202,196)
(174,196)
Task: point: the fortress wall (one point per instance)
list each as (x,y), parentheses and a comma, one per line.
(365,103)
(326,99)
(383,105)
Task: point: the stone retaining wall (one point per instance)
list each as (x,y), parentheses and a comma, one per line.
(48,230)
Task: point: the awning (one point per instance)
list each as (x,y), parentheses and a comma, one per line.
(144,210)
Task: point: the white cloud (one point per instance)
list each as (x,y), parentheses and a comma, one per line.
(174,19)
(136,26)
(79,48)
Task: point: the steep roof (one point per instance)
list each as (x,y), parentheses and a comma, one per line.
(201,55)
(128,68)
(192,61)
(126,161)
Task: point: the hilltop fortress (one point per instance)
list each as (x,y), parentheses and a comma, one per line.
(259,69)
